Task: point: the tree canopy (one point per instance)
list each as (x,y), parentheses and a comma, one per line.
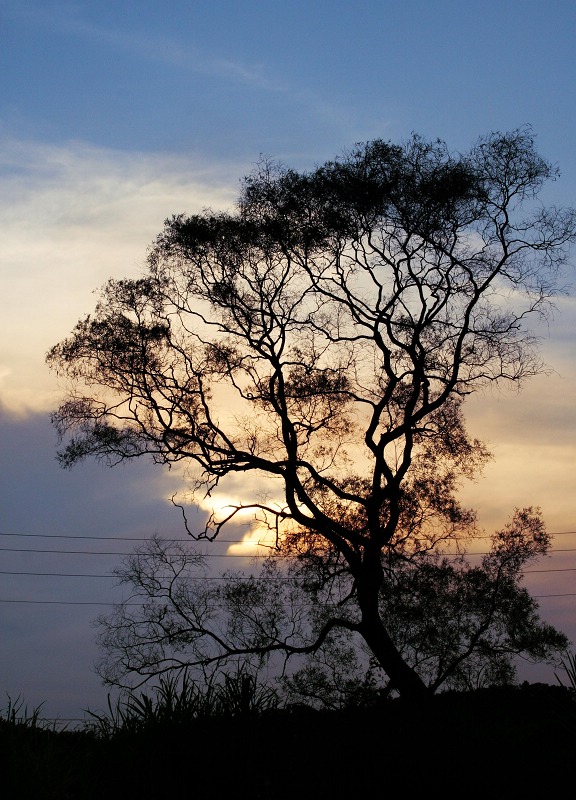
(320,340)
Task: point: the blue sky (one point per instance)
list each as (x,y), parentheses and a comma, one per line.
(114,115)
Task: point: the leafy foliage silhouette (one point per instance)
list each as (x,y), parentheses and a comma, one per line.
(460,626)
(320,341)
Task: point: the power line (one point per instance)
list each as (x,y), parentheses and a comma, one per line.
(108,603)
(187,540)
(108,538)
(551,569)
(113,553)
(202,577)
(568,594)
(56,574)
(218,555)
(90,575)
(69,602)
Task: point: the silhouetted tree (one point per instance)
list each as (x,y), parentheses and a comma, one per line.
(460,626)
(320,340)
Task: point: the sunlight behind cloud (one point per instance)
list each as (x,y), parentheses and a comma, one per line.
(257,537)
(245,532)
(259,541)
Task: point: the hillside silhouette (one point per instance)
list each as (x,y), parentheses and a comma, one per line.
(502,741)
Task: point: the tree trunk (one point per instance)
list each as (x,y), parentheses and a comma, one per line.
(402,676)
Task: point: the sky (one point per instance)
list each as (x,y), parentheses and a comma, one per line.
(116,114)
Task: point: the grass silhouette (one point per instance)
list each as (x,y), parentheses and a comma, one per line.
(236,740)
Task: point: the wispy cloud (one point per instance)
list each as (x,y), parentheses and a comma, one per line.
(149,47)
(71,217)
(341,120)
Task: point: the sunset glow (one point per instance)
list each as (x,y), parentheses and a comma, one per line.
(116,116)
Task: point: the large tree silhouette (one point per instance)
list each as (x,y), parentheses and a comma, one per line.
(320,341)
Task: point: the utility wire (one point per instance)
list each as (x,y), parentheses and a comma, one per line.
(210,555)
(68,602)
(83,575)
(109,538)
(217,555)
(209,578)
(108,603)
(189,539)
(116,553)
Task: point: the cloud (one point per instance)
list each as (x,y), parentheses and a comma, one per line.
(245,531)
(190,57)
(72,216)
(532,435)
(47,649)
(197,66)
(153,47)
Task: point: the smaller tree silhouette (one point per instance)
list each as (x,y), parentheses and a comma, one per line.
(461,626)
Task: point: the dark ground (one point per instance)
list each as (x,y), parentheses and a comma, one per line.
(498,743)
